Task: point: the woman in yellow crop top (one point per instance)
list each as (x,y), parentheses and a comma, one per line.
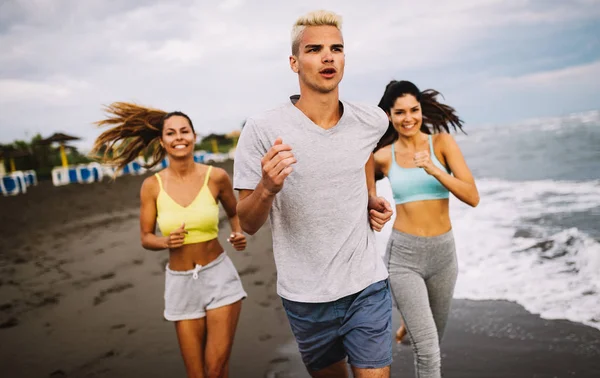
(423,166)
(203,291)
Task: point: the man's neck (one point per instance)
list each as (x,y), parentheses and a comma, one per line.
(321,108)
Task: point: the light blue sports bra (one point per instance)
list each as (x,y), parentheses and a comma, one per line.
(414,184)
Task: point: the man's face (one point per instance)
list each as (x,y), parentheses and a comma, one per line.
(320,60)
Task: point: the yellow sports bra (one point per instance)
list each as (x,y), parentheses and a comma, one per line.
(201,217)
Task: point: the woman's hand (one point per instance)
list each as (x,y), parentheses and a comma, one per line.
(237,240)
(176,238)
(380,212)
(423,160)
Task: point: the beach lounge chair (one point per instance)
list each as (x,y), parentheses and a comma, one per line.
(30,177)
(60,176)
(13,184)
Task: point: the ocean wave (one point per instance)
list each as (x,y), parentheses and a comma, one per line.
(551,123)
(506,252)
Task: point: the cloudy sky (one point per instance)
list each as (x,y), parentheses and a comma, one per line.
(219,61)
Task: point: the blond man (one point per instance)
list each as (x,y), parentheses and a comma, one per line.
(308,164)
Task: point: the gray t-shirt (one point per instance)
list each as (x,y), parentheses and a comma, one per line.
(323,244)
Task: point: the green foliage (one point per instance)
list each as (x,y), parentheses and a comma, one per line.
(39,157)
(223,144)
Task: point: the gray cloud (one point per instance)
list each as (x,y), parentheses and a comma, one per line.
(221,61)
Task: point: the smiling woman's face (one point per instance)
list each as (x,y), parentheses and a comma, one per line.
(178,137)
(406,115)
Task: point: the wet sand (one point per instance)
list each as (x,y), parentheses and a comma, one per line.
(79,297)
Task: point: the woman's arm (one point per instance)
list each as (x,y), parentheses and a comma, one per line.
(227,198)
(382,159)
(149,239)
(380,211)
(461,183)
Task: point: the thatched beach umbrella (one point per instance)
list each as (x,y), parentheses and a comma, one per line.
(61,139)
(11,153)
(234,135)
(214,141)
(2,169)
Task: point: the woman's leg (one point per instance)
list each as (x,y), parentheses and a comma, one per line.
(441,289)
(191,335)
(410,292)
(412,298)
(401,332)
(221,324)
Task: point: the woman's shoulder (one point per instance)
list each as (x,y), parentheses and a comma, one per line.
(385,151)
(217,174)
(151,185)
(442,139)
(383,156)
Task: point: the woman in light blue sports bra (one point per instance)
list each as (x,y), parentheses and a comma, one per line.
(423,164)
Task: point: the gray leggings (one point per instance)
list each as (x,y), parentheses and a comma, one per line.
(423,273)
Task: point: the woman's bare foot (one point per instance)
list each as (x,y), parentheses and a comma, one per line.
(400,333)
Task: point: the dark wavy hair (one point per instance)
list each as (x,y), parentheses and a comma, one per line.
(437,117)
(136,130)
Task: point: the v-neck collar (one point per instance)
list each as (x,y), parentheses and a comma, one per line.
(331,130)
(191,203)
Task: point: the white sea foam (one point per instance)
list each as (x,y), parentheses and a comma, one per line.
(506,251)
(559,278)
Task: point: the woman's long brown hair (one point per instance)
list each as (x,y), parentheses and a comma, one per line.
(136,131)
(437,117)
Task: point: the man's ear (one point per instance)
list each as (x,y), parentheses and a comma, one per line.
(294,63)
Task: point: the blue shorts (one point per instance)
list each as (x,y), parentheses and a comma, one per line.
(358,326)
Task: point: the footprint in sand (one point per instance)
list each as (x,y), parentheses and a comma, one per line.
(264,337)
(250,269)
(90,364)
(20,260)
(107,276)
(279,368)
(115,244)
(101,297)
(80,284)
(42,299)
(279,360)
(12,322)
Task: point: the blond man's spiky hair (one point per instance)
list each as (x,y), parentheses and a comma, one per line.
(316,18)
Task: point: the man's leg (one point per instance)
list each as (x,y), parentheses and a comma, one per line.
(337,370)
(367,331)
(383,372)
(316,329)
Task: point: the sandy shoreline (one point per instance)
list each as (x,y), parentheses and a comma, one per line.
(79,297)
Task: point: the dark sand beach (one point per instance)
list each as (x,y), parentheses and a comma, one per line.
(79,297)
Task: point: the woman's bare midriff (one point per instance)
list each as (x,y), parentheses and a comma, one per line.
(187,256)
(423,218)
